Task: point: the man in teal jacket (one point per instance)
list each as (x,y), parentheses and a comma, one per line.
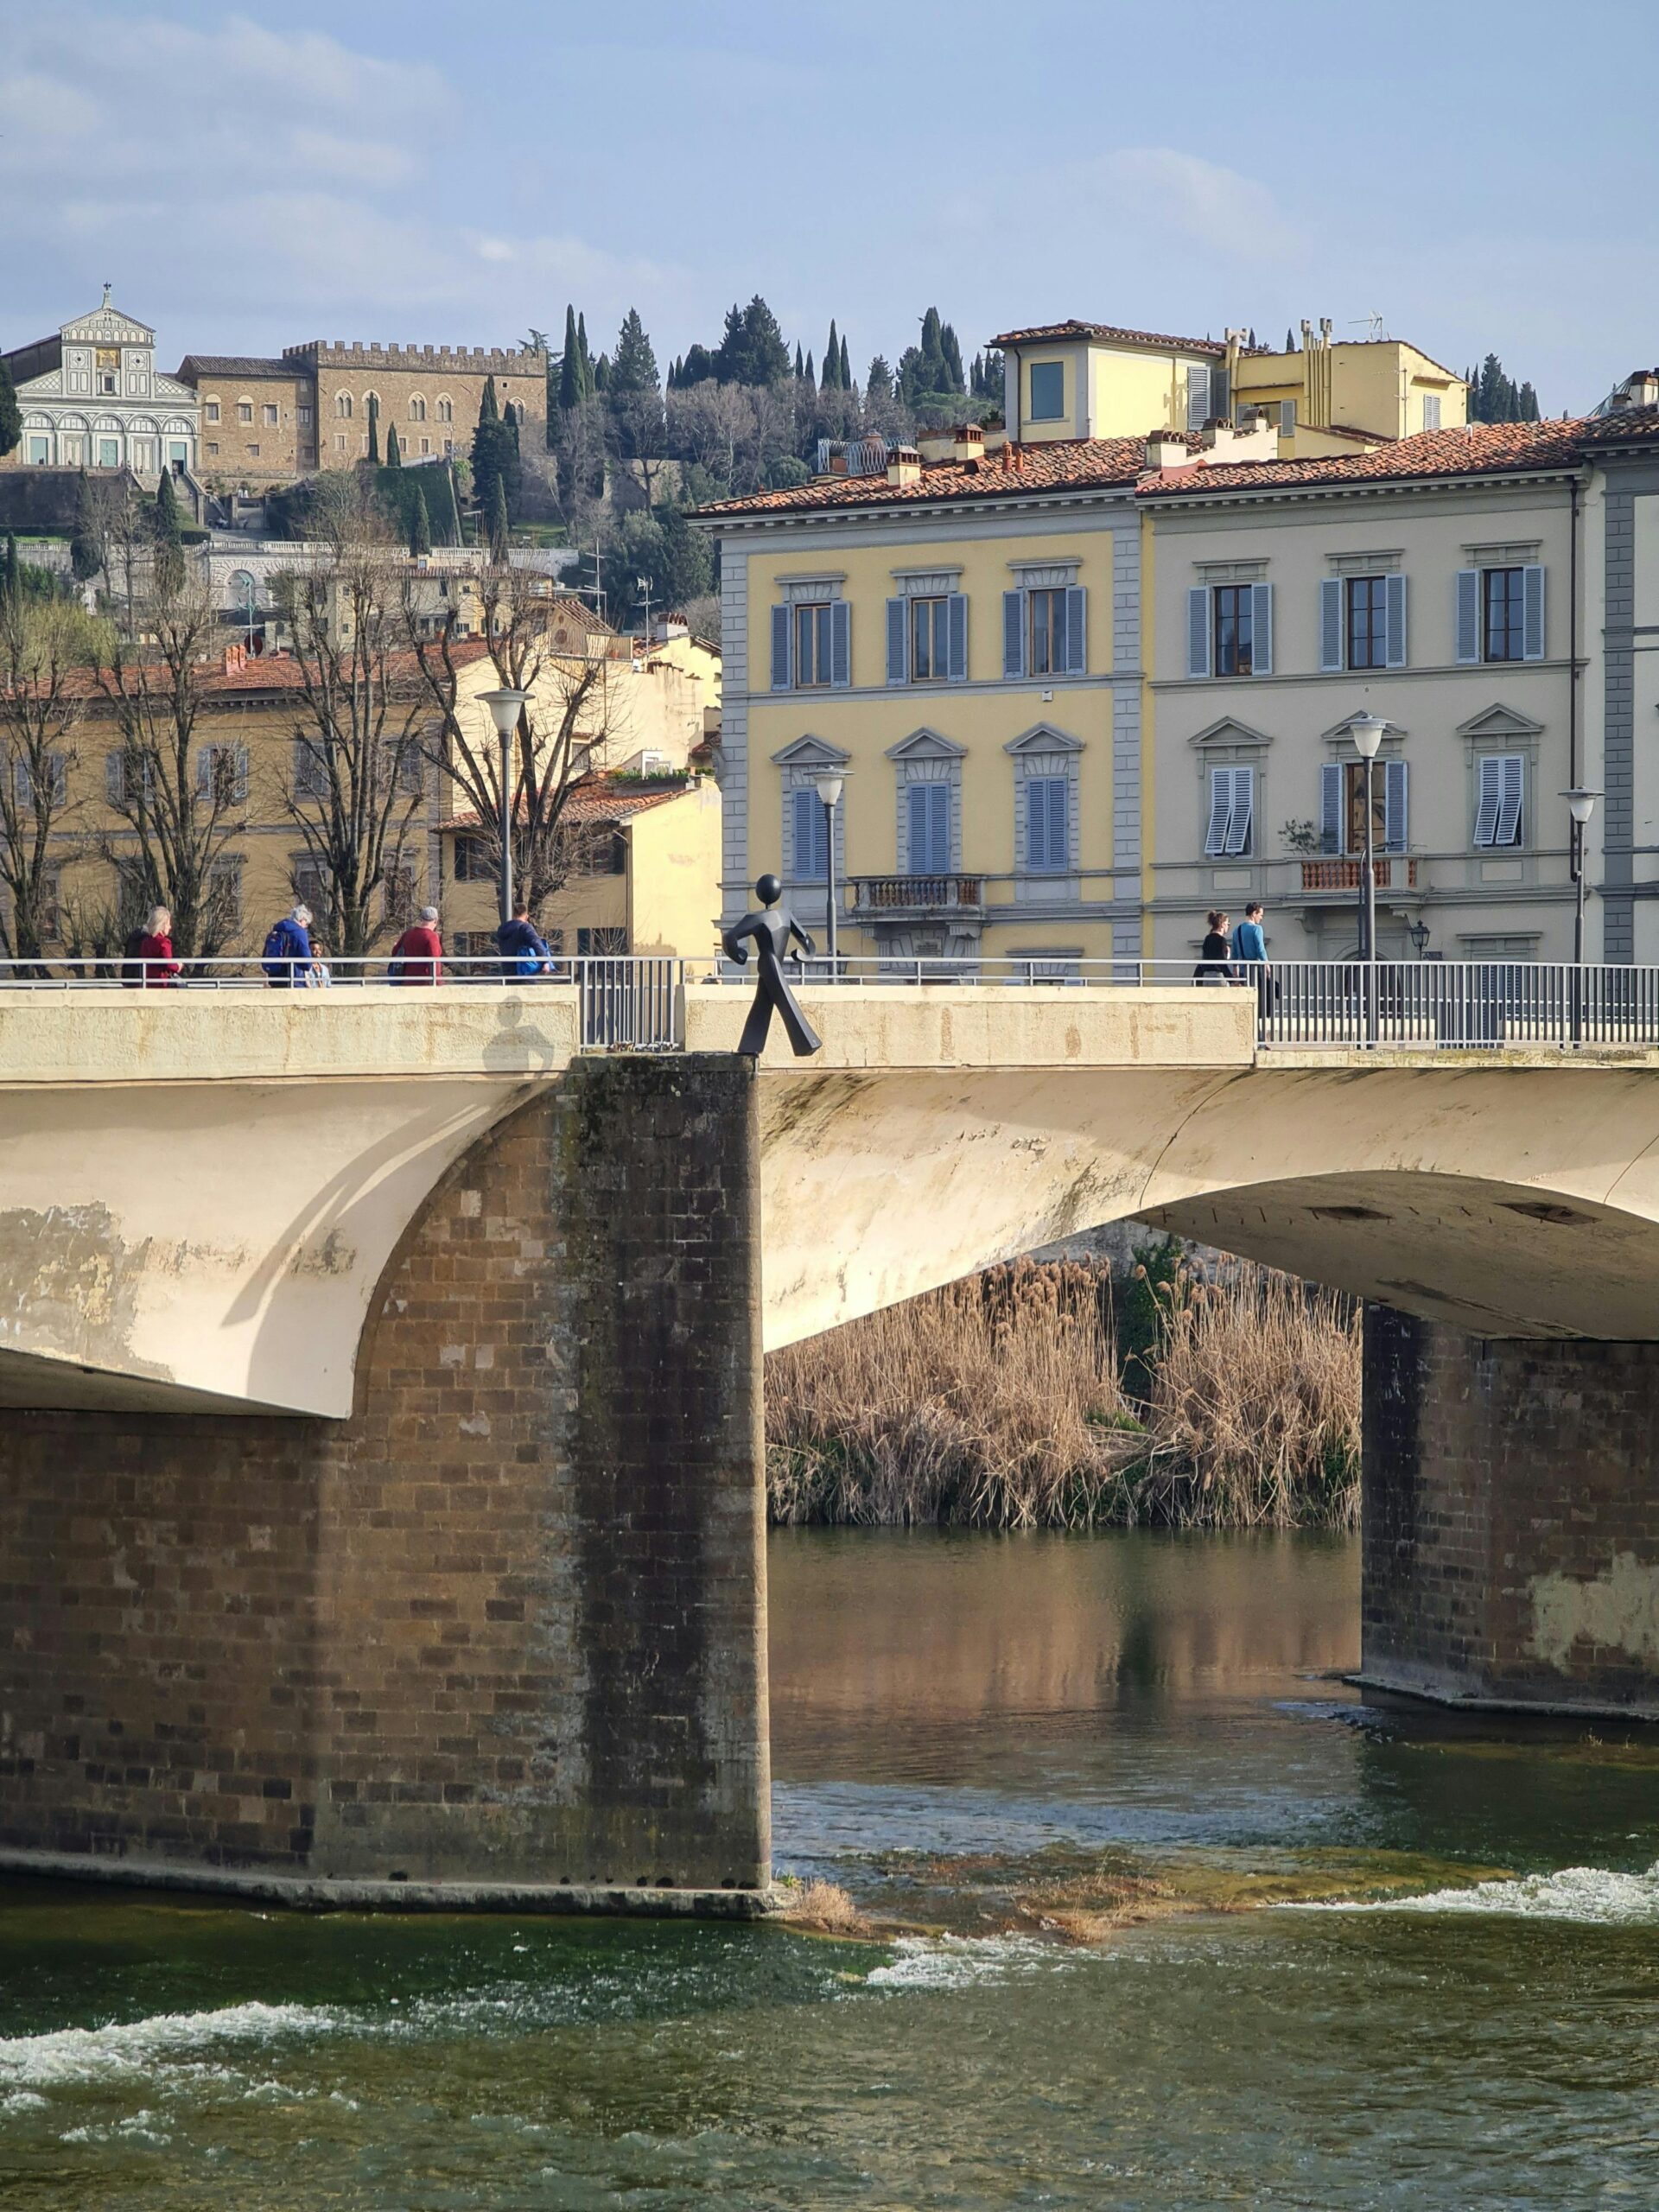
(1250,961)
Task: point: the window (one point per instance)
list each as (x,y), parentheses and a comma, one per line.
(472,861)
(426,445)
(222,774)
(49,909)
(1504,591)
(244,410)
(1048,846)
(213,410)
(213,449)
(812,646)
(1500,780)
(417,410)
(446,410)
(1431,411)
(224,892)
(930,646)
(1235,629)
(1047,655)
(1367,623)
(1047,391)
(253,451)
(109,453)
(39,452)
(809,837)
(310,769)
(927,639)
(600,943)
(56,780)
(269,417)
(927,829)
(310,882)
(302,414)
(129,778)
(1045,631)
(403,895)
(1342,806)
(343,406)
(108,362)
(1232,808)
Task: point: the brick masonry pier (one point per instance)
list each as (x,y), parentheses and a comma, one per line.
(497,1637)
(1511,1517)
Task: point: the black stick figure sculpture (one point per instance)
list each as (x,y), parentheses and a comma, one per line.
(773,927)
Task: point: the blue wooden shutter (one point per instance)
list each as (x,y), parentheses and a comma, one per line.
(1074,659)
(1197,631)
(1394,827)
(1059,845)
(898,641)
(1261,629)
(115,778)
(841,643)
(1243,806)
(1013,633)
(928,829)
(1509,805)
(1198,395)
(957,619)
(1331,806)
(1046,841)
(780,670)
(1394,598)
(1468,616)
(1221,800)
(1489,792)
(811,841)
(1331,652)
(1532,612)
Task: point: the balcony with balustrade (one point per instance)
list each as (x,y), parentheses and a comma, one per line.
(916,898)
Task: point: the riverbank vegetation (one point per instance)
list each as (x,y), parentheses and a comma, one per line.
(1045,1396)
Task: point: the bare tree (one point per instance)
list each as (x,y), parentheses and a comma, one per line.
(709,424)
(573,710)
(356,781)
(579,448)
(44,645)
(183,801)
(126,542)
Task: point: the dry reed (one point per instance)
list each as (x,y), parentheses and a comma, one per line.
(998,1402)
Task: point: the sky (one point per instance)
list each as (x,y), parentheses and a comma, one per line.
(1482,179)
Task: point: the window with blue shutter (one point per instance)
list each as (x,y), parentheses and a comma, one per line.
(1331,807)
(898,641)
(1262,625)
(927,831)
(1074,660)
(1468,616)
(1048,825)
(841,645)
(1532,621)
(1395,829)
(1197,631)
(1331,655)
(1198,395)
(1232,805)
(1498,795)
(957,659)
(780,670)
(1394,598)
(812,838)
(1013,633)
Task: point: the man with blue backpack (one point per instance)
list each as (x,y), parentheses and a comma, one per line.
(523,953)
(287,956)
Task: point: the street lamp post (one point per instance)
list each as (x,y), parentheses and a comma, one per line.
(642,585)
(1367,732)
(829,799)
(505,705)
(1580,804)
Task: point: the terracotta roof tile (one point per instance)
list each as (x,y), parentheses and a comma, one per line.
(1041,332)
(1631,426)
(597,800)
(1062,465)
(1482,448)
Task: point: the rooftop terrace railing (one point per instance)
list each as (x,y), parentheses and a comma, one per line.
(636,1001)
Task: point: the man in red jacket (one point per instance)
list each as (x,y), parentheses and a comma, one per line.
(417,956)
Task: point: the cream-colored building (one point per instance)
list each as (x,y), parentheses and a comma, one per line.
(91,396)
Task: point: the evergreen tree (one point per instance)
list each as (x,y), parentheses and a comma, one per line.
(846,366)
(570,391)
(492,443)
(601,374)
(1290,340)
(1529,411)
(798,371)
(751,349)
(950,352)
(420,527)
(394,451)
(168,543)
(10,579)
(809,380)
(11,420)
(374,430)
(878,381)
(84,556)
(585,357)
(696,368)
(634,368)
(831,381)
(1250,341)
(438,491)
(498,523)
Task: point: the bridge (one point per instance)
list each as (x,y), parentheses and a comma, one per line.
(381,1510)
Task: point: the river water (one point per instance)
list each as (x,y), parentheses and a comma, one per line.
(1164,1914)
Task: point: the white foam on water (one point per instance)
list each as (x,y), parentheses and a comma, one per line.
(959,1962)
(1591,1895)
(72,2058)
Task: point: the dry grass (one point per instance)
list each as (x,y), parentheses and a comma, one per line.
(998,1402)
(825,1908)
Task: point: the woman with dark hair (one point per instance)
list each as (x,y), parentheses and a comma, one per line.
(1216,961)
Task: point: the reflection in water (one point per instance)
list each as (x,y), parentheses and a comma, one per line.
(968,1730)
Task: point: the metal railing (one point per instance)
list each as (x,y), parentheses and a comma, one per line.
(635,1001)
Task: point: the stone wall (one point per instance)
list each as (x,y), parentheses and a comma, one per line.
(1511,1516)
(504,1624)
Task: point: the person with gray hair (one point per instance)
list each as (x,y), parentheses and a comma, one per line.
(417,956)
(287,956)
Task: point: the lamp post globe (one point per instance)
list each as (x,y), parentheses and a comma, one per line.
(505,705)
(1581,805)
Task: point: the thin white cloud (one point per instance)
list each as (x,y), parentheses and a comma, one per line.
(1179,199)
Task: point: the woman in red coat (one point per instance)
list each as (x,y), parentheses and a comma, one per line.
(148,963)
(417,956)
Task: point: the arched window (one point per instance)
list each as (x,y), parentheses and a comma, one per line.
(245,409)
(446,410)
(343,406)
(417,409)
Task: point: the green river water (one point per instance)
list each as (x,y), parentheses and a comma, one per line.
(1342,1953)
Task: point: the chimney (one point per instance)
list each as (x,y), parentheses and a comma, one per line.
(904,465)
(937,444)
(970,441)
(1167,449)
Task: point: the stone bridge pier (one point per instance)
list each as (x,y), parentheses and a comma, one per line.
(499,1633)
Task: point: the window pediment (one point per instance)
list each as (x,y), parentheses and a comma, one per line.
(1499,721)
(1230,732)
(812,753)
(926,744)
(1044,738)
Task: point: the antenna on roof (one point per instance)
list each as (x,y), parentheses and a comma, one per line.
(1376,325)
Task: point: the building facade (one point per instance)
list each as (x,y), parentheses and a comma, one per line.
(91,396)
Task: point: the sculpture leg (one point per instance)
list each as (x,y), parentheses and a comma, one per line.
(803,1038)
(753,1040)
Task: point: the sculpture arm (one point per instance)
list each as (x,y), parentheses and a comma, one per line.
(796,931)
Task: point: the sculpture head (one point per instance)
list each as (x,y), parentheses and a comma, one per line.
(768,890)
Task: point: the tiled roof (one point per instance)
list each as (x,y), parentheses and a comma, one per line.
(1481,450)
(1042,333)
(265,672)
(233,364)
(1063,465)
(596,800)
(1631,426)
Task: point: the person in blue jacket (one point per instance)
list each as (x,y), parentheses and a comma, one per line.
(287,956)
(1250,959)
(523,953)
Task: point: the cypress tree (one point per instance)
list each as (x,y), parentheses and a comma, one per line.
(170,545)
(420,527)
(1528,404)
(799,372)
(846,366)
(374,430)
(394,451)
(878,380)
(11,420)
(832,359)
(810,380)
(10,579)
(441,510)
(570,392)
(585,358)
(498,523)
(1290,340)
(950,353)
(83,545)
(601,374)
